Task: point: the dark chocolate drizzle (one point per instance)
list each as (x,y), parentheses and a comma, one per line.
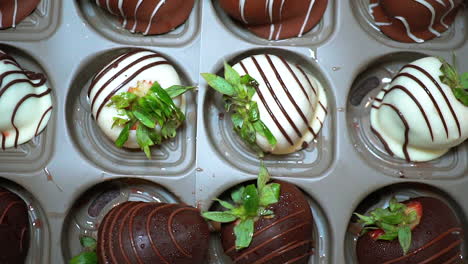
(273,94)
(285,88)
(440,90)
(267,107)
(30,77)
(130,78)
(114,65)
(24,99)
(407,129)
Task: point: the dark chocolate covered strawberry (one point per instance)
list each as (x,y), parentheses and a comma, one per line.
(269,223)
(420,230)
(14,228)
(148,233)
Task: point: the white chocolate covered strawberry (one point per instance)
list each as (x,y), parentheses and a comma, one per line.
(423,112)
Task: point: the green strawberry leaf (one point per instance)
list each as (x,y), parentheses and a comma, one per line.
(225,204)
(250,200)
(404,237)
(244,233)
(220,217)
(236,195)
(219,84)
(85,258)
(238,92)
(177,90)
(88,243)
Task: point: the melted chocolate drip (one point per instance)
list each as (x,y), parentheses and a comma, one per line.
(414,21)
(285,238)
(437,239)
(14,11)
(14,228)
(149,17)
(276,19)
(137,232)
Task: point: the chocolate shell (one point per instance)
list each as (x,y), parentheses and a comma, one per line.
(14,228)
(414,21)
(14,11)
(285,238)
(437,239)
(149,17)
(275,20)
(150,233)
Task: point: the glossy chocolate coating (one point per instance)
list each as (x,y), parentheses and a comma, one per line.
(149,233)
(275,20)
(437,239)
(414,21)
(149,17)
(14,228)
(285,238)
(14,11)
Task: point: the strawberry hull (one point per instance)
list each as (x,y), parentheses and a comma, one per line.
(437,238)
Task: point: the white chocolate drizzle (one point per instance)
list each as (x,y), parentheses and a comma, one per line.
(155,11)
(442,20)
(242,10)
(433,16)
(135,15)
(309,11)
(408,30)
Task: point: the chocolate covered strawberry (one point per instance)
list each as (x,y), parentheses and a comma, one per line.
(266,223)
(420,230)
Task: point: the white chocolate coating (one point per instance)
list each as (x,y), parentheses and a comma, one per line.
(416,102)
(25,103)
(121,74)
(291,102)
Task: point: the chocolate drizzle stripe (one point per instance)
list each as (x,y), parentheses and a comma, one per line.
(267,107)
(245,254)
(300,257)
(12,83)
(273,94)
(271,225)
(111,234)
(10,205)
(407,128)
(454,258)
(274,253)
(23,231)
(171,232)
(441,253)
(379,136)
(148,228)
(323,107)
(109,67)
(403,89)
(280,251)
(441,91)
(5,74)
(307,78)
(295,76)
(15,110)
(286,90)
(130,230)
(142,69)
(42,118)
(420,83)
(435,240)
(120,73)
